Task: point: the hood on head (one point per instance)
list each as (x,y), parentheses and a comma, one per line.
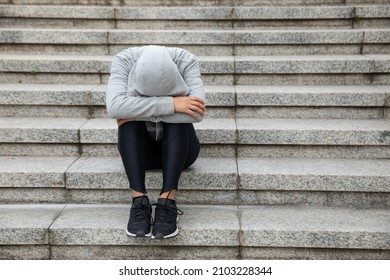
(155,74)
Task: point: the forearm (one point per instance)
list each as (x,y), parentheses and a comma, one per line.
(180,118)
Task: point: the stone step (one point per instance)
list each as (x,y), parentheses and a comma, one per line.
(313,132)
(73,180)
(240,17)
(318,102)
(190,3)
(75,231)
(241,70)
(88,101)
(71,69)
(193,3)
(210,180)
(283,174)
(331,138)
(208,150)
(314,174)
(247,131)
(78,95)
(257,131)
(52,136)
(312,102)
(201,42)
(358,96)
(96,131)
(41,130)
(374,10)
(326,64)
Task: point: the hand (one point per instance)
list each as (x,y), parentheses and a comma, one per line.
(189,105)
(122,121)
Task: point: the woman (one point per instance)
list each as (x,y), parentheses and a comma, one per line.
(155,93)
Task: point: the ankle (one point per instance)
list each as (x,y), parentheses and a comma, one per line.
(135,194)
(169,195)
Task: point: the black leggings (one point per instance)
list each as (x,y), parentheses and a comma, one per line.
(178,149)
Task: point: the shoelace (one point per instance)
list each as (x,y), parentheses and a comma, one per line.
(163,212)
(141,212)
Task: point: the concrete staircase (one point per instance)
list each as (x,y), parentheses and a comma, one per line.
(295,159)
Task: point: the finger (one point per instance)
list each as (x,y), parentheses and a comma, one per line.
(193,114)
(194,98)
(198,109)
(198,104)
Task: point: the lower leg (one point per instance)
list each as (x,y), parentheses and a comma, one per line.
(170,195)
(132,148)
(135,193)
(180,150)
(173,155)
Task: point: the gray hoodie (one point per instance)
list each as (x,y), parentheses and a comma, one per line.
(143,81)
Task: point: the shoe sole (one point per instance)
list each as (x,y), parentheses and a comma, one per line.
(173,234)
(160,236)
(138,234)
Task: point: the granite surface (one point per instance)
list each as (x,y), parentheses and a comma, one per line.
(361,200)
(191,37)
(27,224)
(55,12)
(300,37)
(45,94)
(314,174)
(55,63)
(213,131)
(311,95)
(108,173)
(309,112)
(170,37)
(313,132)
(208,64)
(307,49)
(304,151)
(201,226)
(302,12)
(175,13)
(375,11)
(376,36)
(33,171)
(306,227)
(209,131)
(24,252)
(105,225)
(297,170)
(147,252)
(53,36)
(261,253)
(43,130)
(37,195)
(211,179)
(304,64)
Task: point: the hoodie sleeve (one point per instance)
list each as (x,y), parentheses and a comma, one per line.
(189,67)
(121,104)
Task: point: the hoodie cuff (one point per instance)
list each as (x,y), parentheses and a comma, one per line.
(165,106)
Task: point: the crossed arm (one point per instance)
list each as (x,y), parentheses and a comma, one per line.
(190,105)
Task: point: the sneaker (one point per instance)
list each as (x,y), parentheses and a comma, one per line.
(140,218)
(165,222)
